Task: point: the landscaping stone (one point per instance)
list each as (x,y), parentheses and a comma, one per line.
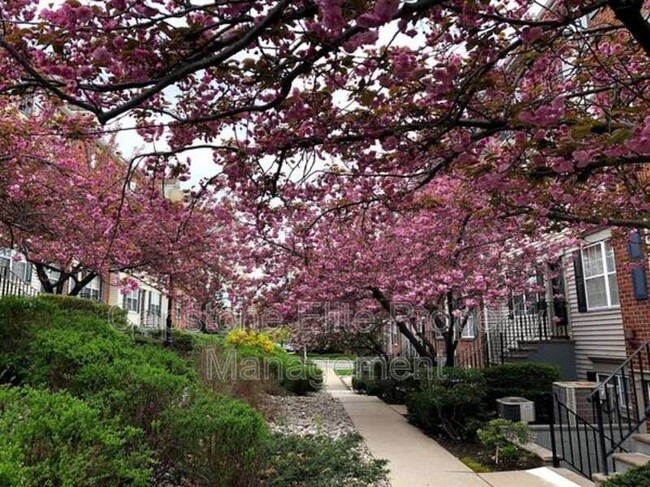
(314,414)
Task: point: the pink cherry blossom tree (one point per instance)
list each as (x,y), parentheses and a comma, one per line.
(73,207)
(424,264)
(544,107)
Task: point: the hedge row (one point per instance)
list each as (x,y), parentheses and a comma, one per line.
(421,386)
(118,412)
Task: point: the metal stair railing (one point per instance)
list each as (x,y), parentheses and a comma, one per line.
(621,403)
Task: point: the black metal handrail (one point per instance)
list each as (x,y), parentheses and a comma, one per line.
(621,403)
(502,343)
(577,441)
(520,328)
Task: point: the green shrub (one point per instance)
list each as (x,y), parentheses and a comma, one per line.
(532,381)
(637,477)
(200,340)
(19,317)
(315,461)
(390,379)
(182,341)
(54,354)
(298,377)
(115,315)
(138,392)
(56,439)
(500,435)
(448,402)
(122,380)
(291,372)
(214,441)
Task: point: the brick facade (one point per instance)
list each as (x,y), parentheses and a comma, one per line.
(635,313)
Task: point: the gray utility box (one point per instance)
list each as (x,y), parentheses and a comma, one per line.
(516,409)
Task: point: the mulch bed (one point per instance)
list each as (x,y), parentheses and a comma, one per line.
(475,451)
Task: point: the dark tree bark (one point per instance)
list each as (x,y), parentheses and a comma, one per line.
(417,343)
(630,14)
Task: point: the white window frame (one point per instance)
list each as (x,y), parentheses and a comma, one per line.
(131,301)
(92,290)
(25,271)
(621,388)
(156,302)
(154,308)
(8,255)
(178,308)
(5,255)
(469,330)
(605,275)
(529,306)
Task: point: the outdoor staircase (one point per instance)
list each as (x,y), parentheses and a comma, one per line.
(604,432)
(638,457)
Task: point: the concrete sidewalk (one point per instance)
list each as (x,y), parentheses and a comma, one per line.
(415,460)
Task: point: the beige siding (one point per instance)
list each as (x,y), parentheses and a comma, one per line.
(115,298)
(597,334)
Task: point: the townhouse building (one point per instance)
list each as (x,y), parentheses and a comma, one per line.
(146,306)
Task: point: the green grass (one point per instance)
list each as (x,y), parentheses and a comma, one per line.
(344,372)
(475,466)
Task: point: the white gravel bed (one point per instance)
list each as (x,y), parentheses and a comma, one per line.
(315,414)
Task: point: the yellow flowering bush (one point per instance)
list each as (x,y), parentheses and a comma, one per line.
(251,338)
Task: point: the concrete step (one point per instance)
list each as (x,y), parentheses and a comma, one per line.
(600,478)
(628,461)
(641,443)
(573,477)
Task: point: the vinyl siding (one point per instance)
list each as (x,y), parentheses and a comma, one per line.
(597,334)
(115,298)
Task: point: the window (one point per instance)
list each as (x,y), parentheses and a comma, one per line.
(469,330)
(92,290)
(154,305)
(5,262)
(22,270)
(19,269)
(132,300)
(528,302)
(601,288)
(525,304)
(154,308)
(178,312)
(620,394)
(53,277)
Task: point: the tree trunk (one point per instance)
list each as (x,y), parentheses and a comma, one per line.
(47,286)
(450,342)
(420,347)
(450,348)
(630,14)
(80,284)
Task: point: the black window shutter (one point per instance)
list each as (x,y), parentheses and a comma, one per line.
(591,376)
(580,282)
(28,273)
(638,272)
